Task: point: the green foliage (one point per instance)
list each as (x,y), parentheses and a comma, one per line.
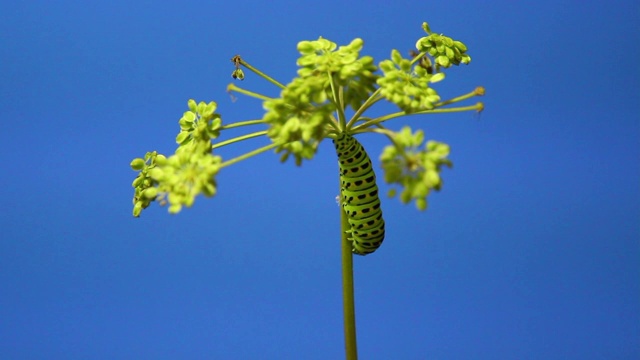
(313,106)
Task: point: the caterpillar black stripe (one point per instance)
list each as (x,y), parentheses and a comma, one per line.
(359,195)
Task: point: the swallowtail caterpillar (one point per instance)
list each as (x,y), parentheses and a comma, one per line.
(359,195)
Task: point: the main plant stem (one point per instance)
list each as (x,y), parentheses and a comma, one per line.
(351,348)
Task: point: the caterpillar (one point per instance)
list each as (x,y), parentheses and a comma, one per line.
(359,195)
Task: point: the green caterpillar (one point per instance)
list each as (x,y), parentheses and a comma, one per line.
(359,195)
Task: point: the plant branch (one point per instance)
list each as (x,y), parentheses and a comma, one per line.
(242,123)
(348,301)
(337,99)
(239,138)
(479,91)
(232,87)
(477,107)
(261,74)
(248,155)
(367,104)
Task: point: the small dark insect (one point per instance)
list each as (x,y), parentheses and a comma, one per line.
(237,72)
(425,62)
(236,61)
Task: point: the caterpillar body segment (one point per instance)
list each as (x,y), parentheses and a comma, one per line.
(359,195)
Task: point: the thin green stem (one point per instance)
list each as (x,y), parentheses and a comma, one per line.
(475,92)
(232,87)
(382,130)
(477,107)
(242,123)
(261,74)
(367,104)
(331,128)
(338,101)
(348,302)
(418,57)
(248,155)
(239,138)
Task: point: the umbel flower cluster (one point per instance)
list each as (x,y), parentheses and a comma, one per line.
(179,178)
(334,88)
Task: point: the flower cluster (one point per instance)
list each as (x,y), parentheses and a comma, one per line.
(416,170)
(407,85)
(443,49)
(183,176)
(145,187)
(298,117)
(200,124)
(312,107)
(344,65)
(191,171)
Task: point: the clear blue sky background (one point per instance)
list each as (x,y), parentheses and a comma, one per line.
(531,251)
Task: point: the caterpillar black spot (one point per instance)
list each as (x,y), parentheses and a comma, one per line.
(359,195)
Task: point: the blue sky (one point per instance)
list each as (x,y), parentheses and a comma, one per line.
(531,250)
